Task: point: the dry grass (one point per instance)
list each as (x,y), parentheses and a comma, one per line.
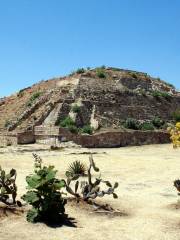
(146,195)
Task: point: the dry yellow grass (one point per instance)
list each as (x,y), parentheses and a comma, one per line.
(146,194)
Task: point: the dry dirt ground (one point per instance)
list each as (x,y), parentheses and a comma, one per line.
(146,194)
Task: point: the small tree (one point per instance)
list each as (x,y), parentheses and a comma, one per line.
(44,194)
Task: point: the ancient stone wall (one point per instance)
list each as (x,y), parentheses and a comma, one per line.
(26,137)
(8,140)
(108,139)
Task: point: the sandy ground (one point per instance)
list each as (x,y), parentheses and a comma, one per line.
(146,194)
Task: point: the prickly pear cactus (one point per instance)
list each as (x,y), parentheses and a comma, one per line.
(44,194)
(8,188)
(90,189)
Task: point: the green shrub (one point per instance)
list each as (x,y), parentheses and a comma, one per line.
(76,168)
(131,123)
(80,70)
(158,94)
(158,122)
(100,73)
(166,95)
(76,108)
(73,129)
(68,121)
(44,194)
(31,100)
(176,115)
(147,126)
(7,123)
(35,96)
(87,129)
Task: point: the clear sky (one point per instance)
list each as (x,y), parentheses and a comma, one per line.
(41,39)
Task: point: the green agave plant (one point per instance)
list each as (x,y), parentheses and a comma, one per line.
(76,168)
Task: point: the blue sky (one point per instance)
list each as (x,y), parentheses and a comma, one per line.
(41,39)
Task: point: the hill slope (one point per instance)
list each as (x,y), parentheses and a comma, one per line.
(103,98)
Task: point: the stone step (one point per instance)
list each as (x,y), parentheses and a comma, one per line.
(53,116)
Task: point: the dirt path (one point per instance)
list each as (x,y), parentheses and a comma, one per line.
(146,195)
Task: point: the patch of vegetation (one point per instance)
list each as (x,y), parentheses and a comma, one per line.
(87,129)
(76,168)
(68,121)
(147,126)
(159,94)
(7,123)
(100,73)
(131,123)
(80,70)
(176,115)
(158,122)
(90,189)
(34,97)
(44,194)
(73,129)
(75,108)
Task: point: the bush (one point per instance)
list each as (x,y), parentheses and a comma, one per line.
(158,122)
(100,73)
(73,129)
(87,129)
(7,123)
(158,94)
(67,122)
(80,70)
(44,194)
(35,96)
(176,115)
(76,108)
(131,123)
(147,126)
